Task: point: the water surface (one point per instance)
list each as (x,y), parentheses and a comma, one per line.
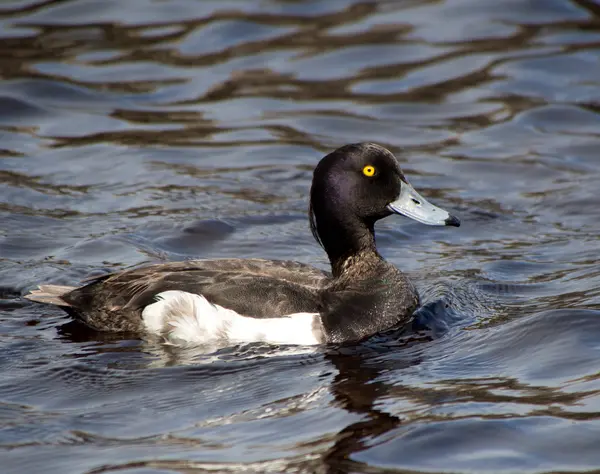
(146,131)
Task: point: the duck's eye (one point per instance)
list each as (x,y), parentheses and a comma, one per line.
(369,170)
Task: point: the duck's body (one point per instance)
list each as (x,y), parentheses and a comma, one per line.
(339,309)
(244,300)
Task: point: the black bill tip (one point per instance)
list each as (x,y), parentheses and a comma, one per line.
(452,220)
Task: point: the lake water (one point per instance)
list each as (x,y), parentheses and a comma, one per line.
(137,131)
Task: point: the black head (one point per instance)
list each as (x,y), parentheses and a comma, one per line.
(356,185)
(357,180)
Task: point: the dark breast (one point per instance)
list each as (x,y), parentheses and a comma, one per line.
(369,297)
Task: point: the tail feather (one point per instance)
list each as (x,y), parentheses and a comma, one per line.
(50,294)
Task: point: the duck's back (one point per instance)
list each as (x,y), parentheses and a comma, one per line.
(252,287)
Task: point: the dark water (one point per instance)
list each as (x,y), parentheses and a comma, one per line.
(143,130)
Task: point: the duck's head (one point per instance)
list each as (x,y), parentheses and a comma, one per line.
(356,185)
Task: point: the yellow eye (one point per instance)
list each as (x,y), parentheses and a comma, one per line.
(369,170)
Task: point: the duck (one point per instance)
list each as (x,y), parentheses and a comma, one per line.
(235,300)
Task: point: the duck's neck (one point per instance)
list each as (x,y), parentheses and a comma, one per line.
(345,240)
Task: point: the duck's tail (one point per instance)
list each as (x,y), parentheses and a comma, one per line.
(50,294)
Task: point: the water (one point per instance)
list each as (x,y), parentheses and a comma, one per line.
(162,130)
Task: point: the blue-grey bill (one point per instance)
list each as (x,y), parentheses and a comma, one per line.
(411,204)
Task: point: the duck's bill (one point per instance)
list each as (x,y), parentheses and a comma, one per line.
(411,204)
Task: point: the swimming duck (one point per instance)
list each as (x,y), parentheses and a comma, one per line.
(281,302)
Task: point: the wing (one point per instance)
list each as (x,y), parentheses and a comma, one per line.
(253,287)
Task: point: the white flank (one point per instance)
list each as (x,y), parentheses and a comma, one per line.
(186,318)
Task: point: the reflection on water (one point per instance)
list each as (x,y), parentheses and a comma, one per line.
(163,130)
